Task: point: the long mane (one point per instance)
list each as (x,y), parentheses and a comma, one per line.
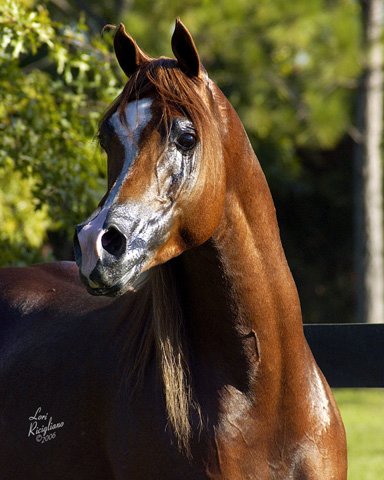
(156,330)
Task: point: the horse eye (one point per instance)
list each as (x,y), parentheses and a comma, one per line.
(101,142)
(186,141)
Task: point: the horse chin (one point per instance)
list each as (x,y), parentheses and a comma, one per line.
(131,281)
(115,291)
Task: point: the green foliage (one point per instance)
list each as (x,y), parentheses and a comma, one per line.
(55,81)
(362,411)
(289,68)
(281,64)
(18,207)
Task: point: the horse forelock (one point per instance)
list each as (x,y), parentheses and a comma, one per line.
(172,91)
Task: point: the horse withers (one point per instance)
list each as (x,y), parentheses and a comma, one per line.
(188,359)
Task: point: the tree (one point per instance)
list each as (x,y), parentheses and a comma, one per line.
(54,83)
(289,69)
(369,177)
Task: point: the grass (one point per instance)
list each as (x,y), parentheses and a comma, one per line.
(363,415)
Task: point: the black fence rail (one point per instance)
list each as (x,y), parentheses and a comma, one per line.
(349,355)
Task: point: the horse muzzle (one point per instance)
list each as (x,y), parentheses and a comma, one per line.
(109,260)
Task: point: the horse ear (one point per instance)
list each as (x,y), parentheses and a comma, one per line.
(128,53)
(185,51)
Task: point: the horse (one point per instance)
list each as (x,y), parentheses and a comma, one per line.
(174,347)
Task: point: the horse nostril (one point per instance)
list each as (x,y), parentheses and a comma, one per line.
(113,242)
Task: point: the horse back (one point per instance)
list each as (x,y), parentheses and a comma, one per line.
(56,349)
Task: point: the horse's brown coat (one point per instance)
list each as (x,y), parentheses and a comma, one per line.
(204,372)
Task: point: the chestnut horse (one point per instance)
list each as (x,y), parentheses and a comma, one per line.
(197,368)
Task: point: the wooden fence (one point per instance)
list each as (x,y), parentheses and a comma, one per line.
(349,355)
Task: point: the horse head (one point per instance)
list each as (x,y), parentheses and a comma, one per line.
(166,178)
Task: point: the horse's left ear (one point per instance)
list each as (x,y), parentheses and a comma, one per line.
(185,51)
(128,53)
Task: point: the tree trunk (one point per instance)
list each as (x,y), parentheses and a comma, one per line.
(368,174)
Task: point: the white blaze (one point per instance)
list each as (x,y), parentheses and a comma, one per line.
(137,116)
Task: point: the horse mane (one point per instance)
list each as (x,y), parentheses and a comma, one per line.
(172,353)
(156,329)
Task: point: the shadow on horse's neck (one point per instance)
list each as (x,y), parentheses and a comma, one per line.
(224,315)
(238,297)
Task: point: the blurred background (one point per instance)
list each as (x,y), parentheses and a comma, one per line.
(294,71)
(306,80)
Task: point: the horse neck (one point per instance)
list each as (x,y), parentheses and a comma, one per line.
(239,297)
